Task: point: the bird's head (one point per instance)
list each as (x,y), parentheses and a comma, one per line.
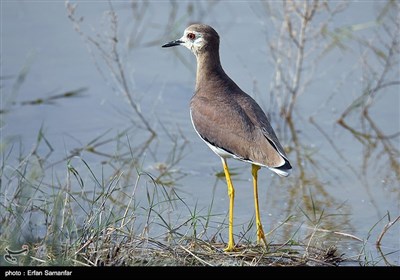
(197,38)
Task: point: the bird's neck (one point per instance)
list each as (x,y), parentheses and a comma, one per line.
(208,69)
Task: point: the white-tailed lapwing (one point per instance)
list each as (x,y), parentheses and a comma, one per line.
(228,120)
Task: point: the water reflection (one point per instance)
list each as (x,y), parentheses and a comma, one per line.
(311,188)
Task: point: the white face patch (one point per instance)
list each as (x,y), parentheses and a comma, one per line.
(192,45)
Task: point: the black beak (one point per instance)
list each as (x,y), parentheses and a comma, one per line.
(172,43)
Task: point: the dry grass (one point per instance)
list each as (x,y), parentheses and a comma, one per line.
(111,223)
(140,251)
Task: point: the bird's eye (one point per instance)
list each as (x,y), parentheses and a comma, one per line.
(191,36)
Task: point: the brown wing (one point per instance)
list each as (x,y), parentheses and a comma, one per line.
(237,125)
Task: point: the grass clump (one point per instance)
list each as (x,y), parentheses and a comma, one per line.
(85,219)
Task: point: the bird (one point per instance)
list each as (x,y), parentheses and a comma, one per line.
(229,120)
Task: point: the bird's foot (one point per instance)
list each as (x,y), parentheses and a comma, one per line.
(261,236)
(231,247)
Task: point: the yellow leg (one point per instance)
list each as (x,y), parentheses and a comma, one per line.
(260,231)
(231,194)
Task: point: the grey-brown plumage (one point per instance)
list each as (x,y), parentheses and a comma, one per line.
(230,122)
(222,114)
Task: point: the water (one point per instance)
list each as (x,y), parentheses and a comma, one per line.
(342,181)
